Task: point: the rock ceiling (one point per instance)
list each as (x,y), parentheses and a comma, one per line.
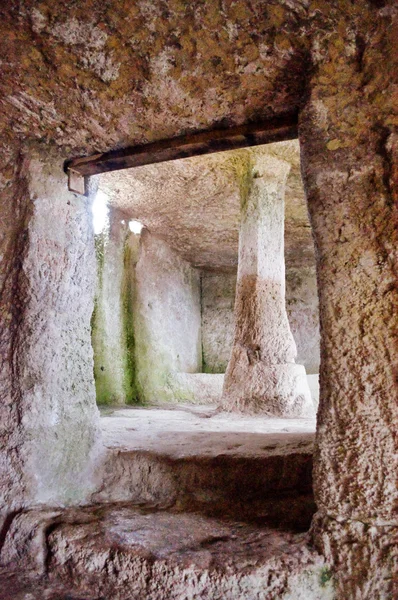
(193,204)
(87,77)
(97,75)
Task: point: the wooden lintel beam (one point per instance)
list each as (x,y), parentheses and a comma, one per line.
(196,144)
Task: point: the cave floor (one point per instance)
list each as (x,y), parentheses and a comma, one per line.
(191,503)
(185,430)
(198,459)
(124,552)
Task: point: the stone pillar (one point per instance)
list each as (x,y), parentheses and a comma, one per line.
(262,375)
(51,428)
(350,170)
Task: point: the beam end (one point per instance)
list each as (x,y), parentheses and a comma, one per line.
(77,182)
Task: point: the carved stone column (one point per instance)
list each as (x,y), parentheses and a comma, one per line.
(350,173)
(262,375)
(49,422)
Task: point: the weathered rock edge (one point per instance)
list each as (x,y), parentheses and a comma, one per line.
(123,552)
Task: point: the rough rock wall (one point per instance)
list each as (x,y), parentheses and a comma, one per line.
(218,322)
(15,214)
(52,91)
(218,299)
(112,321)
(303,313)
(349,145)
(167,319)
(47,387)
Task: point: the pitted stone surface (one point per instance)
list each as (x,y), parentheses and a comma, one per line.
(130,553)
(365,555)
(147,71)
(50,420)
(349,149)
(140,77)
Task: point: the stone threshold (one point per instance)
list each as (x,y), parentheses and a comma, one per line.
(124,552)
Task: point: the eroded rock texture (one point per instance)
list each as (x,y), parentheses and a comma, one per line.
(92,76)
(126,552)
(261,375)
(146,71)
(349,153)
(218,320)
(16,212)
(50,418)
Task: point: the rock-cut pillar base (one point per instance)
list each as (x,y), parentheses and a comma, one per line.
(278,390)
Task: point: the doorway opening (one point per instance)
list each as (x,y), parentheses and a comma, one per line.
(164,328)
(167,259)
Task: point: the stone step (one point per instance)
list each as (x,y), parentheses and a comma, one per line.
(275,488)
(234,467)
(124,552)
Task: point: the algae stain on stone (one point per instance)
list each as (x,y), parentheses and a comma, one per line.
(130,370)
(325,576)
(112,322)
(241,164)
(153,367)
(103,383)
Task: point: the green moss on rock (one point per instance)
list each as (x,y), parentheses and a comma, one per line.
(130,372)
(114,374)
